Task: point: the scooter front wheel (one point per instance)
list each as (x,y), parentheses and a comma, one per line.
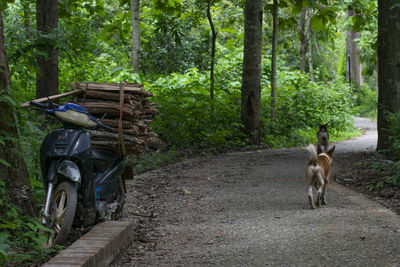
(62,213)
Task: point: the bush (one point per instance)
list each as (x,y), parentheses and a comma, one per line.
(20,236)
(186,119)
(302,106)
(394,129)
(366,102)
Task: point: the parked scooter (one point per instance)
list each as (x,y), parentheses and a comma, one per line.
(84,185)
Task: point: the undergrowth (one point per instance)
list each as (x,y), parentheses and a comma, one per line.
(21,237)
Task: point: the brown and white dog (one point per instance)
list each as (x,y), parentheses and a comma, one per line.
(318,173)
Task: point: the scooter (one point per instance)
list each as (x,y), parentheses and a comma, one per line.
(83,185)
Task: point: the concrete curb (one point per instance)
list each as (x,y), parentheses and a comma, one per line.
(96,248)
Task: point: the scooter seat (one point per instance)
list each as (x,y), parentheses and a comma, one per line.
(103,159)
(104,154)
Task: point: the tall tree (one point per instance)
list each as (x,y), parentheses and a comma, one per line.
(27,14)
(46,24)
(12,166)
(388,67)
(213,42)
(274,96)
(251,78)
(353,63)
(303,36)
(310,55)
(135,35)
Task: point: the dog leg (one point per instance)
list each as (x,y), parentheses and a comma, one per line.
(323,198)
(324,202)
(310,196)
(320,189)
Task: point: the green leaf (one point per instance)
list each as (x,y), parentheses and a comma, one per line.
(13,213)
(32,226)
(317,23)
(5,163)
(43,228)
(8,225)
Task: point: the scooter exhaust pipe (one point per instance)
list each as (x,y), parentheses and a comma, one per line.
(46,214)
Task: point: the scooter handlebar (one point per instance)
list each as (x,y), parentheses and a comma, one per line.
(105,127)
(39,105)
(46,106)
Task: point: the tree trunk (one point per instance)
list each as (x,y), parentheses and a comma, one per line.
(304,33)
(310,55)
(251,79)
(274,96)
(135,35)
(303,39)
(27,22)
(213,41)
(47,22)
(353,64)
(388,67)
(14,172)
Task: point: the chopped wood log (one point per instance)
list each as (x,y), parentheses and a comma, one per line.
(134,132)
(111,108)
(114,123)
(94,84)
(114,136)
(112,96)
(129,87)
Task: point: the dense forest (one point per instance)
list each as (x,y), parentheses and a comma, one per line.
(225,74)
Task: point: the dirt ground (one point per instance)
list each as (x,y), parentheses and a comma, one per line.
(357,172)
(251,208)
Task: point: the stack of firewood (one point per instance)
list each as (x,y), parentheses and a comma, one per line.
(137,113)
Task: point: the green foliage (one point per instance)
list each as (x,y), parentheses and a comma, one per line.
(33,129)
(154,160)
(95,45)
(169,43)
(21,237)
(394,129)
(366,100)
(185,118)
(389,169)
(303,105)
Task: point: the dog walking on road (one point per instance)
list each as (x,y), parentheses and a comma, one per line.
(318,173)
(323,138)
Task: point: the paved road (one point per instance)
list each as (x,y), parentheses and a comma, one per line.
(367,142)
(251,209)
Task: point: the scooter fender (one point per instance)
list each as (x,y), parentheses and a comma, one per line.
(70,170)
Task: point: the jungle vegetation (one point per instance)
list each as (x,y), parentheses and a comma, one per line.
(227,74)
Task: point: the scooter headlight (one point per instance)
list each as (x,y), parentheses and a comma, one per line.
(69,169)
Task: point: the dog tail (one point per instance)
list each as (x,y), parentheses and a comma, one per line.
(313,153)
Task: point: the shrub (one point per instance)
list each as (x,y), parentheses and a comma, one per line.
(302,106)
(366,102)
(186,119)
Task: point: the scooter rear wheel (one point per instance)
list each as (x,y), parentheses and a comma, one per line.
(62,210)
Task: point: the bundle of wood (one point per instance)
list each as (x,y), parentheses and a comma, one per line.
(137,113)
